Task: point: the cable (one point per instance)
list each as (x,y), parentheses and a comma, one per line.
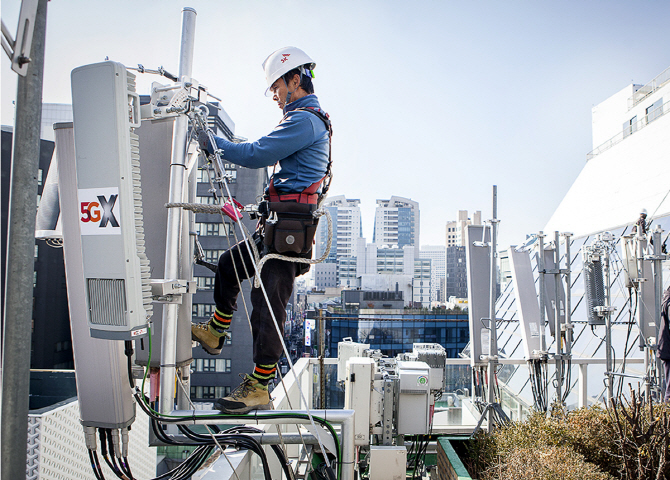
(95,465)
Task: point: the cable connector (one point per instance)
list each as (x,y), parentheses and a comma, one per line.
(115,441)
(124,442)
(89,434)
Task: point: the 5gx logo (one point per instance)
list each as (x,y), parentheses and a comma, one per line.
(97,208)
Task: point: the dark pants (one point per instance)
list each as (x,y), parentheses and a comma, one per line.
(277,277)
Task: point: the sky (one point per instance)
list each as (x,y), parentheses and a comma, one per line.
(436,101)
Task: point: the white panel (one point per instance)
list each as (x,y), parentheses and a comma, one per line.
(479,297)
(413,399)
(388,463)
(357,391)
(57,448)
(528,307)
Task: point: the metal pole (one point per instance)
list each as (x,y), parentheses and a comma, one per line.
(174,224)
(322,346)
(557,321)
(20,258)
(568,301)
(540,271)
(608,329)
(658,287)
(493,340)
(644,345)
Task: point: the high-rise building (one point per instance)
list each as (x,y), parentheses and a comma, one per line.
(455,229)
(438,273)
(455,241)
(457,275)
(347,229)
(421,282)
(397,223)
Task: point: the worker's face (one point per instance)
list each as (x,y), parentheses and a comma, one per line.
(280,90)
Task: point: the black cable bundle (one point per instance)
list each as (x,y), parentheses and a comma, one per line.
(95,465)
(538,382)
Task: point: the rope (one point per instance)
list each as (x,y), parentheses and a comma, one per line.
(196,207)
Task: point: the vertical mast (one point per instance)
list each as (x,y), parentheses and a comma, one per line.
(174,224)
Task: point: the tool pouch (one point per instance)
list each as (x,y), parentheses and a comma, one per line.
(291,228)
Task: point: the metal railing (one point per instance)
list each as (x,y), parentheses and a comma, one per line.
(643,92)
(639,125)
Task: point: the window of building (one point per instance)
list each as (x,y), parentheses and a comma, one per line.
(209,392)
(213,365)
(205,283)
(214,229)
(654,110)
(203,309)
(630,126)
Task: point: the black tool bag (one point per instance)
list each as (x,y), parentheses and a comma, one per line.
(291,228)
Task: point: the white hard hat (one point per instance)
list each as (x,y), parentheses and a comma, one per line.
(283,61)
(643,211)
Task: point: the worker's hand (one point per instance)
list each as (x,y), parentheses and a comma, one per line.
(204,143)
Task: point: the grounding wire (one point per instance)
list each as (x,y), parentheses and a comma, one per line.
(265,295)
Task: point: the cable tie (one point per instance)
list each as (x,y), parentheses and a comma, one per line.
(177,165)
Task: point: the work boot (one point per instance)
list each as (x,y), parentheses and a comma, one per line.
(250,395)
(211,335)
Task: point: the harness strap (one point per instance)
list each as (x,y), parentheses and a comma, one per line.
(308,195)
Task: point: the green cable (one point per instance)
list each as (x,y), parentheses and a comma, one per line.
(338,446)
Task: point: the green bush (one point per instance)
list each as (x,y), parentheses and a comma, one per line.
(628,441)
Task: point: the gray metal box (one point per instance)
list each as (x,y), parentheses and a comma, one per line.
(116,269)
(413,411)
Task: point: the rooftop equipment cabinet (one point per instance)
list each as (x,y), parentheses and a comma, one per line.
(527,304)
(435,356)
(358,388)
(347,349)
(413,412)
(116,270)
(478,260)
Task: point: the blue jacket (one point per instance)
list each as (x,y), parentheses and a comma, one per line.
(299,143)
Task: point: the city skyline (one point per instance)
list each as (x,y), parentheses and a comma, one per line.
(449,99)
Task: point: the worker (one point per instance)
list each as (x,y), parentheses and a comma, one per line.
(300,147)
(641,224)
(663,351)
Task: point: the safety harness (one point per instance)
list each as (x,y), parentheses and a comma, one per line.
(308,195)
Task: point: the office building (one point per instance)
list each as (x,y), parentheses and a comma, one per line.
(438,273)
(456,283)
(455,229)
(397,223)
(457,276)
(347,229)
